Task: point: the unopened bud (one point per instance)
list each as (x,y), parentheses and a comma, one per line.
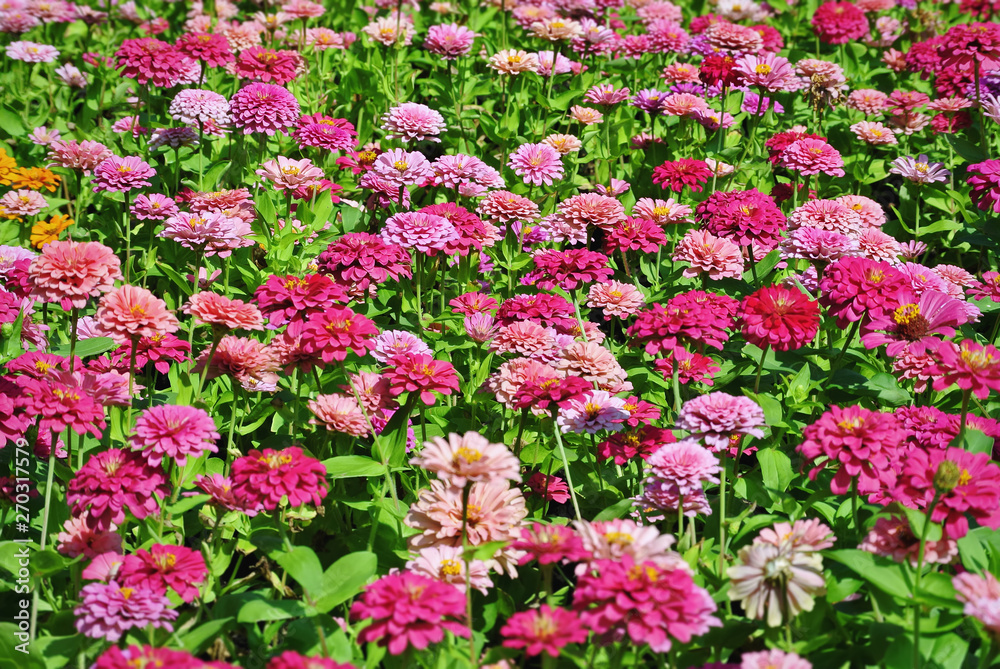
(946,477)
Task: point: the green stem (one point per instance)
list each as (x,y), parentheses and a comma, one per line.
(565,461)
(760,368)
(45,531)
(965,413)
(917,659)
(467,559)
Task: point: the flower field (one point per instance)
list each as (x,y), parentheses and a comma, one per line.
(500,334)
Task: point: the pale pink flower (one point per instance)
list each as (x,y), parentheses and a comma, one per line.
(615,539)
(874,133)
(338,413)
(465,458)
(615,298)
(22,202)
(286,174)
(413,122)
(717,256)
(446,564)
(514,61)
(537,164)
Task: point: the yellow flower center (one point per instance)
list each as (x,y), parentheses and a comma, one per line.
(468,454)
(905,314)
(763,68)
(450,568)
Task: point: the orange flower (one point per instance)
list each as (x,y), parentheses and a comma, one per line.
(44,232)
(7,165)
(35,178)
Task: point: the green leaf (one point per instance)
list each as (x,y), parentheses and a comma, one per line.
(10,123)
(972,550)
(15,651)
(196,640)
(89,347)
(352,466)
(262,610)
(47,562)
(302,564)
(616,510)
(887,389)
(344,579)
(266,208)
(974,441)
(882,574)
(917,520)
(776,468)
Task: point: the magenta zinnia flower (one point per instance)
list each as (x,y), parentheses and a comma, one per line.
(545,629)
(332,333)
(860,441)
(970,365)
(812,156)
(407,609)
(272,478)
(984,178)
(537,164)
(164,568)
(676,174)
(914,323)
(174,431)
(965,484)
(122,174)
(643,601)
(112,482)
(266,108)
(421,231)
(569,269)
(420,373)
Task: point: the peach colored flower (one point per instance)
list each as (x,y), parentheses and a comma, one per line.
(338,413)
(131,312)
(221,312)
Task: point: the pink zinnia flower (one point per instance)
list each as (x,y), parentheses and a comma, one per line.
(716,417)
(984,178)
(649,604)
(131,312)
(174,431)
(122,174)
(71,272)
(813,156)
(78,539)
(423,232)
(31,52)
(569,269)
(549,488)
(332,333)
(282,299)
(768,71)
(22,202)
(545,629)
(526,338)
(391,343)
(719,257)
(780,317)
(222,313)
(401,168)
(965,484)
(893,537)
(360,262)
(537,164)
(338,413)
(550,544)
(860,441)
(413,122)
(597,410)
(462,459)
(263,108)
(108,610)
(271,478)
(420,373)
(775,659)
(615,298)
(972,366)
(153,207)
(286,174)
(112,482)
(502,206)
(449,40)
(445,564)
(407,609)
(914,323)
(685,464)
(164,568)
(981,596)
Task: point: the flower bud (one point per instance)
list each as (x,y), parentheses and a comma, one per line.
(946,477)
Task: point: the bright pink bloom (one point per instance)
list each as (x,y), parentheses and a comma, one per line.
(282,299)
(265,108)
(360,262)
(860,441)
(413,122)
(407,609)
(449,40)
(174,431)
(545,629)
(163,568)
(222,313)
(550,544)
(813,156)
(421,373)
(108,611)
(267,65)
(839,23)
(112,482)
(423,232)
(718,257)
(122,174)
(549,488)
(569,269)
(332,333)
(272,478)
(131,312)
(676,174)
(914,323)
(644,602)
(968,484)
(970,365)
(537,164)
(780,317)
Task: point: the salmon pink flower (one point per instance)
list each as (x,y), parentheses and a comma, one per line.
(716,417)
(71,272)
(222,313)
(131,312)
(462,459)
